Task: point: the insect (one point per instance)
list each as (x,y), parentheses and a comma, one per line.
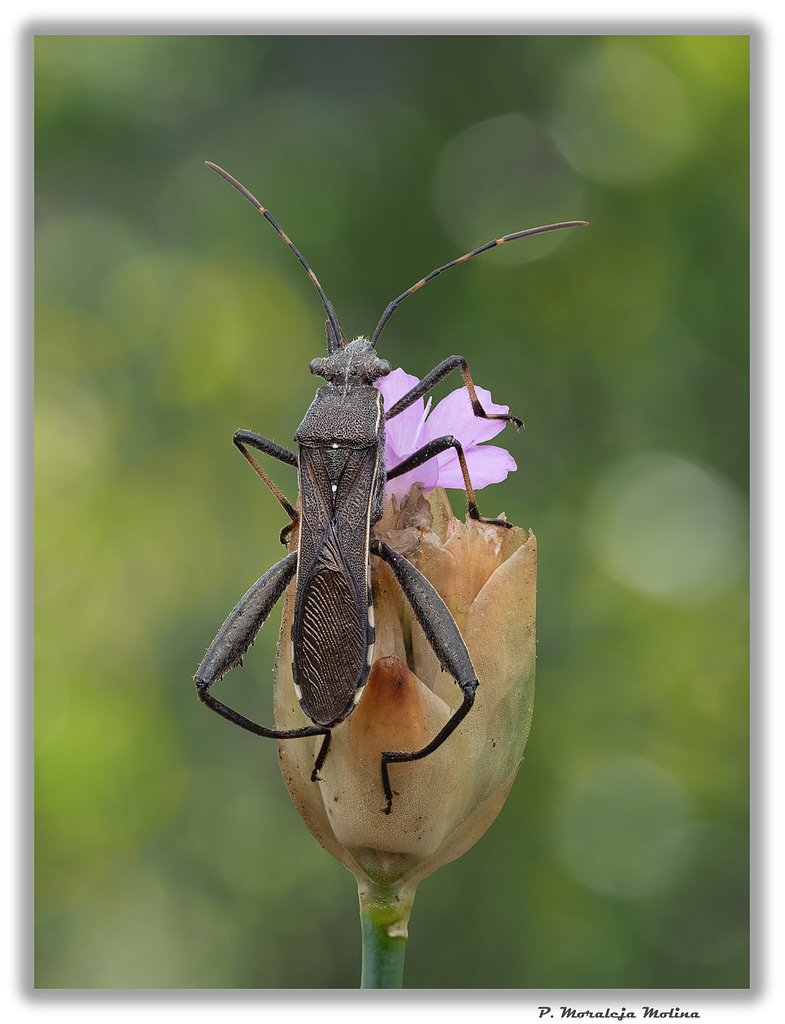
(342,475)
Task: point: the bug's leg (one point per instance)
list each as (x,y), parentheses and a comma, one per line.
(287,530)
(430,451)
(247,437)
(429,382)
(236,636)
(264,444)
(321,757)
(447,643)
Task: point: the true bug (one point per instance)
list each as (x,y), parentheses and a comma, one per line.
(341,471)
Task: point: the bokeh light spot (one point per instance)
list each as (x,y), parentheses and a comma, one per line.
(669,528)
(611,823)
(623,117)
(505,175)
(230,323)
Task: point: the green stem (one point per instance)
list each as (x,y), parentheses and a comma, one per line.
(384,915)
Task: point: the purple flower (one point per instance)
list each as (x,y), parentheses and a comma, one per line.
(417,425)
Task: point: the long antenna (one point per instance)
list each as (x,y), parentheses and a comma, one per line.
(333,337)
(461,259)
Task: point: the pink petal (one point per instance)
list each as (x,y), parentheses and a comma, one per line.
(414,427)
(405,429)
(487,464)
(454,415)
(395,385)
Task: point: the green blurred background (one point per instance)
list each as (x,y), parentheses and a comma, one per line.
(168,314)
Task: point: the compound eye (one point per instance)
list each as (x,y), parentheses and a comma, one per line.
(315,366)
(383,367)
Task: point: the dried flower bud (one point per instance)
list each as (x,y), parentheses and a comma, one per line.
(444,802)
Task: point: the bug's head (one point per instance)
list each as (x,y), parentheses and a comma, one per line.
(357,363)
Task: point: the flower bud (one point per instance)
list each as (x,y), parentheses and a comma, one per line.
(444,802)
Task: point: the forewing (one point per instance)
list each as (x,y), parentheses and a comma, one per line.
(332,638)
